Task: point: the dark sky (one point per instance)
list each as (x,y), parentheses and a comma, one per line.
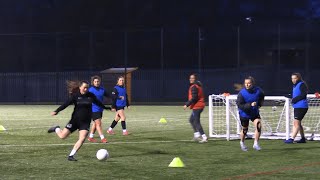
(75,15)
(60,38)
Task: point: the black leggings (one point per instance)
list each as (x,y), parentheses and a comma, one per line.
(195,121)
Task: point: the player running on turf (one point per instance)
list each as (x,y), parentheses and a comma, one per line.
(300,106)
(119,102)
(100,93)
(196,103)
(249,100)
(81,116)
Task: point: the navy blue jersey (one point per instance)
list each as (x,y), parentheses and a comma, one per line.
(244,100)
(117,100)
(299,95)
(82,105)
(100,92)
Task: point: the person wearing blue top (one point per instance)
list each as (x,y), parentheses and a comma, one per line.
(100,93)
(119,102)
(249,100)
(300,107)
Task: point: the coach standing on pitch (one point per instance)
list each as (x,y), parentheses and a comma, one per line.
(249,100)
(196,103)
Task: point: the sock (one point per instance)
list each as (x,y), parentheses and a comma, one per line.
(196,134)
(123,124)
(204,136)
(241,143)
(57,130)
(73,152)
(256,142)
(110,129)
(102,136)
(90,135)
(114,123)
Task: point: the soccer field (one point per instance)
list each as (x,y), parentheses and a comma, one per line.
(27,151)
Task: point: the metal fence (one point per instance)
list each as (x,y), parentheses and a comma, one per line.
(148,86)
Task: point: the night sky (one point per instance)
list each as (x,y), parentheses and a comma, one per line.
(67,35)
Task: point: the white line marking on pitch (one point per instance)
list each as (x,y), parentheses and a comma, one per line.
(71,144)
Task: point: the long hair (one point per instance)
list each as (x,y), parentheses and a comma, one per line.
(72,86)
(299,76)
(119,77)
(94,78)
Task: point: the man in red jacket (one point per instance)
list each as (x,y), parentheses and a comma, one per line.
(197,104)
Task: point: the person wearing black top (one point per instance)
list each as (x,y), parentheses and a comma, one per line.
(81,116)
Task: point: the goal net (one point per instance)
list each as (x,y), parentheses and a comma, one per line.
(276,116)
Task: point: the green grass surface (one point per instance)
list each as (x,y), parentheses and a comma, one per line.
(27,151)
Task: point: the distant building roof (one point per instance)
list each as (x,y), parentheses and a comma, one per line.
(119,70)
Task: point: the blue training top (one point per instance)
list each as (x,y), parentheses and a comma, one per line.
(121,91)
(99,92)
(303,103)
(250,97)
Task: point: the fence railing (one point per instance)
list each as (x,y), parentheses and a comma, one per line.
(156,85)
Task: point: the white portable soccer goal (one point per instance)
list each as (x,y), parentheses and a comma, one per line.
(276,116)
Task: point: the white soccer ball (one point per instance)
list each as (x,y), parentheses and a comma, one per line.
(102,154)
(274,108)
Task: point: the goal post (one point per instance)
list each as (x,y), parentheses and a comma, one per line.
(276,116)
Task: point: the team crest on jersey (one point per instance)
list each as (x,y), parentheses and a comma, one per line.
(69,125)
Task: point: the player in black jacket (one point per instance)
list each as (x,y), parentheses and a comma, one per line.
(81,116)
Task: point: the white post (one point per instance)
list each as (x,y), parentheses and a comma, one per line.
(238,124)
(227,118)
(287,104)
(210,116)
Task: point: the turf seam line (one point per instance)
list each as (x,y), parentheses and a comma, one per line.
(69,144)
(245,176)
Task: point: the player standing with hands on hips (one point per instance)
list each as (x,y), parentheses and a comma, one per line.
(119,102)
(196,103)
(300,107)
(249,100)
(81,115)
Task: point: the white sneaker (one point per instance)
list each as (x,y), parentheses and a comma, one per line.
(203,140)
(256,147)
(244,147)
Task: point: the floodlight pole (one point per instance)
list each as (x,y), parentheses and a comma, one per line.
(238,47)
(57,59)
(199,51)
(125,56)
(162,61)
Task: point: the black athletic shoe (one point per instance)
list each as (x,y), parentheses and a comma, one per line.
(71,158)
(53,129)
(303,140)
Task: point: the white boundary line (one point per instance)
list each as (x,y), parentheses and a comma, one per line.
(71,144)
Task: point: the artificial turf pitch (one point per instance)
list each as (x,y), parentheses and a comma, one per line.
(27,151)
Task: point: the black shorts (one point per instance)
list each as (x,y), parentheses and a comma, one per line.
(245,121)
(96,115)
(299,113)
(119,108)
(75,124)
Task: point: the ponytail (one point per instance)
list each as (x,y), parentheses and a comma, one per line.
(72,86)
